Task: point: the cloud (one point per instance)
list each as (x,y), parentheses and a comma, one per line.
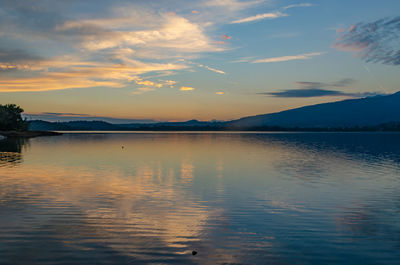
(219,93)
(151,86)
(111,47)
(304,56)
(170,83)
(296,5)
(315,92)
(11,60)
(186,88)
(270,15)
(148,83)
(316,89)
(377,41)
(233,5)
(16,56)
(62,114)
(142,90)
(317,85)
(212,69)
(68,44)
(175,33)
(243,60)
(52,81)
(58,74)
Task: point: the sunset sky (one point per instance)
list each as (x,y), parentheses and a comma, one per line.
(183,59)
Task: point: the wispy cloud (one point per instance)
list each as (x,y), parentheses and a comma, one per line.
(63,114)
(270,15)
(142,90)
(317,85)
(304,56)
(377,41)
(58,74)
(233,4)
(243,60)
(296,5)
(211,69)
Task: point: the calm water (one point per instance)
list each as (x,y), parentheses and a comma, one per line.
(278,198)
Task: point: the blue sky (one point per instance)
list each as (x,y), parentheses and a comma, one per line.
(178,60)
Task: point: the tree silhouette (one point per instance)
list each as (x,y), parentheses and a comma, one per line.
(11,119)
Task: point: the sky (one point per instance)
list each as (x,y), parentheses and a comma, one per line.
(175,60)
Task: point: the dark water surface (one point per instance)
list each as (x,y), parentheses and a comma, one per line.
(152,198)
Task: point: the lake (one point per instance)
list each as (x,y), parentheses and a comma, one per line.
(235,198)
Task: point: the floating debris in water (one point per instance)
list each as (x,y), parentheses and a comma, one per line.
(194,252)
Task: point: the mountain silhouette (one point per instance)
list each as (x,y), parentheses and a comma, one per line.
(362,112)
(370,113)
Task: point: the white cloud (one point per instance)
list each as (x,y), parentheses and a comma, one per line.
(211,69)
(271,15)
(296,5)
(304,56)
(173,33)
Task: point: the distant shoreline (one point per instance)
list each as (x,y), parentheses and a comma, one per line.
(28,134)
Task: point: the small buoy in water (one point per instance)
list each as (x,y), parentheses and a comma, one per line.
(194,252)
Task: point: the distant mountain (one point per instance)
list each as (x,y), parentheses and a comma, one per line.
(370,114)
(39,125)
(66,117)
(362,112)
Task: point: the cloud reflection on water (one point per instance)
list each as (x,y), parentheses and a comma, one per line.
(234,198)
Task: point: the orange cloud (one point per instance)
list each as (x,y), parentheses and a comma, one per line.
(186,88)
(70,73)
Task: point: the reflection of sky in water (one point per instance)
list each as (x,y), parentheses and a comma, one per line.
(235,198)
